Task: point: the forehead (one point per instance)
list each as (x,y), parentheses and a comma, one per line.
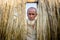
(30,10)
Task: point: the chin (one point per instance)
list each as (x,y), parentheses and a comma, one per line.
(32,21)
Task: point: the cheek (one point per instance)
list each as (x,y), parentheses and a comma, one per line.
(34,16)
(29,16)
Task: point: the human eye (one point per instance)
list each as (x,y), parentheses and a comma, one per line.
(32,14)
(29,13)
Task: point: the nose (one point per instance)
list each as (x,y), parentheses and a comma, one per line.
(31,16)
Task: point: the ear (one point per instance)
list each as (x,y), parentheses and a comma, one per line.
(36,14)
(36,17)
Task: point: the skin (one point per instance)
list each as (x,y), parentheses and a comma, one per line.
(31,13)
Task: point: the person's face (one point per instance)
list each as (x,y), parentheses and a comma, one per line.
(31,14)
